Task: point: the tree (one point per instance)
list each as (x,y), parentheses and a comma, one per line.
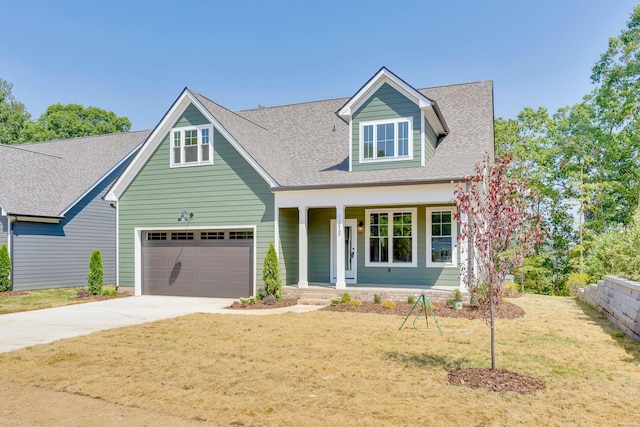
(13,115)
(95,279)
(5,269)
(73,120)
(498,220)
(271,274)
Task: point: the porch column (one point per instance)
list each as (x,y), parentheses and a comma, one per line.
(339,250)
(466,268)
(303,280)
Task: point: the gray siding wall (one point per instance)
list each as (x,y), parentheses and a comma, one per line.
(288,256)
(386,103)
(57,255)
(320,253)
(4,230)
(431,139)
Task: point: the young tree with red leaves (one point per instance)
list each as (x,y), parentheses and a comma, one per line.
(501,227)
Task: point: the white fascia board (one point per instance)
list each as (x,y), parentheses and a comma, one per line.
(155,139)
(425,104)
(437,194)
(239,148)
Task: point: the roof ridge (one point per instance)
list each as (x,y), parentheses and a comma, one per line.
(19,148)
(456,84)
(86,137)
(293,104)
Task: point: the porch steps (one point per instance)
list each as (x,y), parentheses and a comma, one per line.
(313,296)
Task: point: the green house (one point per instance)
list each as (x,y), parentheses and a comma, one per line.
(352,192)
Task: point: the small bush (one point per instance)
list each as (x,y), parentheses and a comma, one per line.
(346,298)
(411,299)
(448,302)
(271,274)
(577,281)
(5,269)
(377,298)
(253,299)
(244,300)
(95,279)
(457,295)
(335,301)
(388,304)
(109,292)
(355,303)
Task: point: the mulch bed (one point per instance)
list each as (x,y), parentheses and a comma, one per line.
(84,295)
(259,305)
(499,380)
(505,310)
(12,293)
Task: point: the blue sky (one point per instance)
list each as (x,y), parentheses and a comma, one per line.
(135,57)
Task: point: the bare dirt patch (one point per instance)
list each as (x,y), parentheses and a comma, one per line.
(500,380)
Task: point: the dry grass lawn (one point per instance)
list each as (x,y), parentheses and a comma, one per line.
(328,368)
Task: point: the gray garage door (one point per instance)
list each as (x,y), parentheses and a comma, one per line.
(198,263)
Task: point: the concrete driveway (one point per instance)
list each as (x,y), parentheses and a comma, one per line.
(18,330)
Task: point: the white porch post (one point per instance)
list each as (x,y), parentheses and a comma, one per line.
(303,280)
(341,283)
(465,248)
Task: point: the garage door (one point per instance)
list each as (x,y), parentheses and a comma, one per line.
(198,263)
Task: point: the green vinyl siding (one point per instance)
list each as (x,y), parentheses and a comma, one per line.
(288,256)
(319,244)
(320,253)
(229,193)
(431,139)
(386,103)
(191,117)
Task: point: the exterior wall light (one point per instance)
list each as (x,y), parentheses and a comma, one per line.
(183,216)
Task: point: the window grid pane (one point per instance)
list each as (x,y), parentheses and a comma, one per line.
(441,237)
(368,141)
(403,139)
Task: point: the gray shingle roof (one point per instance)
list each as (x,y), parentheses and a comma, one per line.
(306,144)
(46,178)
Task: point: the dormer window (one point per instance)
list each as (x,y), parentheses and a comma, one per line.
(386,140)
(192,146)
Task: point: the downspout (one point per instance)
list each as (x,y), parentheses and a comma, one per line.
(10,221)
(117,248)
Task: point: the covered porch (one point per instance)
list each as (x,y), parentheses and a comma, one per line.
(399,238)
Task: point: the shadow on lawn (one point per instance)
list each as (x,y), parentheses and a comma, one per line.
(629,345)
(421,360)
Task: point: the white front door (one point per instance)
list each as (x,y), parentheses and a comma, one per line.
(350,239)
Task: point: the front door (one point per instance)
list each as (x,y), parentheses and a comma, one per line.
(350,238)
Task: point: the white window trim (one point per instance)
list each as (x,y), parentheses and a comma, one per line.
(182,130)
(395,158)
(454,237)
(414,238)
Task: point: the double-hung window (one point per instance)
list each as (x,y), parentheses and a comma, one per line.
(192,145)
(442,235)
(386,140)
(391,237)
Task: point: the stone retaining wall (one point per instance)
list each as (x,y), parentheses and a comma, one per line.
(619,300)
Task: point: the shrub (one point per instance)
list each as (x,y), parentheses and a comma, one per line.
(448,301)
(335,301)
(5,269)
(95,279)
(457,295)
(244,300)
(271,274)
(411,299)
(109,292)
(252,299)
(577,281)
(377,298)
(346,298)
(355,303)
(388,304)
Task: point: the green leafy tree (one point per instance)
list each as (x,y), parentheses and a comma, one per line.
(271,274)
(73,120)
(95,280)
(5,269)
(13,115)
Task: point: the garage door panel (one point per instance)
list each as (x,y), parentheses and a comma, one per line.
(209,268)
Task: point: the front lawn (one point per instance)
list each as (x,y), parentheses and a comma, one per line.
(334,368)
(14,301)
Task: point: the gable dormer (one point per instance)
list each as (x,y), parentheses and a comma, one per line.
(391,124)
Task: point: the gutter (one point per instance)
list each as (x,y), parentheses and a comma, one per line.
(368,184)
